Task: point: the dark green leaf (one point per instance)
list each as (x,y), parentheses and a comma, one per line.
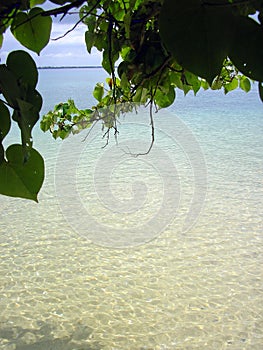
(194,34)
(127,24)
(247,50)
(100,41)
(106,61)
(5,122)
(89,39)
(19,178)
(28,111)
(34,97)
(27,116)
(2,153)
(23,67)
(32,30)
(9,86)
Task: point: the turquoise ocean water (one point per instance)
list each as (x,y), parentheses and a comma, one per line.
(154,252)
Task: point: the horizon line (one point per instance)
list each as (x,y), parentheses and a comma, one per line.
(67,67)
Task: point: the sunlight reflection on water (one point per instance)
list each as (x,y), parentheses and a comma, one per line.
(200,289)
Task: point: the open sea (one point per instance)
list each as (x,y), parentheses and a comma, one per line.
(151,252)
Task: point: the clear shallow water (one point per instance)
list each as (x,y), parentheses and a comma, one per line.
(64,285)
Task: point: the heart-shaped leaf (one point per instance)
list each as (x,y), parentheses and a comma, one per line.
(23,67)
(19,178)
(32,30)
(164,100)
(197,35)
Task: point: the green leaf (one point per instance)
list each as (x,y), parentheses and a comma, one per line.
(98,91)
(89,39)
(193,81)
(34,98)
(36,2)
(106,62)
(19,178)
(141,95)
(176,79)
(2,153)
(198,36)
(260,88)
(245,84)
(23,67)
(217,84)
(231,86)
(32,30)
(90,21)
(109,57)
(204,84)
(8,86)
(164,100)
(46,122)
(186,88)
(28,111)
(247,50)
(1,40)
(5,122)
(100,41)
(127,24)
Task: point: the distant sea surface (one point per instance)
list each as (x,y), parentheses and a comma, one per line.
(162,251)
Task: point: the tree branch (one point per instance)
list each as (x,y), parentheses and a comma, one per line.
(6,103)
(63,9)
(152,136)
(109,33)
(78,22)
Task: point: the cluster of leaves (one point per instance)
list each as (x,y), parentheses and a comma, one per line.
(21,166)
(30,25)
(66,118)
(163,45)
(149,49)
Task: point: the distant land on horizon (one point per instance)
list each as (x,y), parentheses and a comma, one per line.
(67,67)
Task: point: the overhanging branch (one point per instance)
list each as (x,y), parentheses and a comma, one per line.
(64,9)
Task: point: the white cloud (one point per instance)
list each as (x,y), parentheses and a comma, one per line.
(67,51)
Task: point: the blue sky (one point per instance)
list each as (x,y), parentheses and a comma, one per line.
(68,51)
